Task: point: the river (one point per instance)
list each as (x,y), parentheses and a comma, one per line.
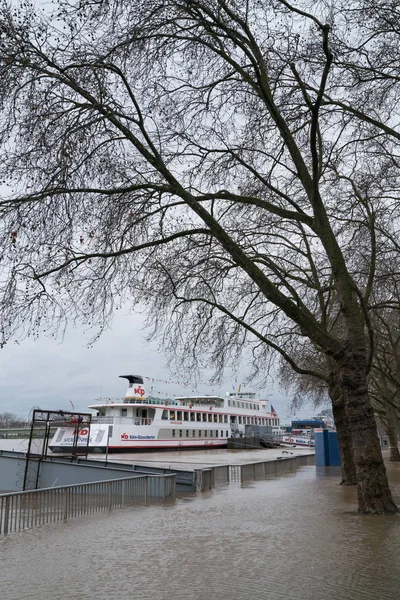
(288,538)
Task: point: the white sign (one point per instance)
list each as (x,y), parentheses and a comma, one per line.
(68,436)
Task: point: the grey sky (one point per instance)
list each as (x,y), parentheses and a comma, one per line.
(50,374)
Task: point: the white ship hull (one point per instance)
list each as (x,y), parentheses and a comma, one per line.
(128,439)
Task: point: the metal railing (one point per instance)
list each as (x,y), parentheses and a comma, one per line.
(265,469)
(25,510)
(122,420)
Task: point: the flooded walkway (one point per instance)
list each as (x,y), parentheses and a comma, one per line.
(199,459)
(177,459)
(297,536)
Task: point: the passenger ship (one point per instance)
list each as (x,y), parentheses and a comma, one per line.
(140,422)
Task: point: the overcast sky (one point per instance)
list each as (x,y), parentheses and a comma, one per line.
(51,374)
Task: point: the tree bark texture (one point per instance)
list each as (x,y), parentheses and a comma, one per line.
(345,440)
(391,430)
(374,495)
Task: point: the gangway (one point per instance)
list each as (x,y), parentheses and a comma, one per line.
(42,426)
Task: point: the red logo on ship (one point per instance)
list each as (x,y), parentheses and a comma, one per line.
(139,391)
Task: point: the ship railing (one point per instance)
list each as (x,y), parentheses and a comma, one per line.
(162,402)
(24,510)
(121,421)
(109,400)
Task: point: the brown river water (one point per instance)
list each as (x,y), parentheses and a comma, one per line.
(293,537)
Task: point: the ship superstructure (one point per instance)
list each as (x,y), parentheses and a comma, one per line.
(139,421)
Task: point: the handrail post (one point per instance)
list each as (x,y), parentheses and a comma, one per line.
(65,504)
(6,514)
(110,496)
(123,493)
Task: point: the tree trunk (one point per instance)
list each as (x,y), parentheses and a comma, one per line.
(374,495)
(342,429)
(349,476)
(391,430)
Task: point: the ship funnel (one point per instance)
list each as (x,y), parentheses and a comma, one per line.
(135,387)
(132,379)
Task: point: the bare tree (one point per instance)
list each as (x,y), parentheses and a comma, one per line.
(184,156)
(9,419)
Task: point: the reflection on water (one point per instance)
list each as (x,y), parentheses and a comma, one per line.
(294,537)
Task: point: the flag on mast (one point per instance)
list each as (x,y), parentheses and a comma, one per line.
(273,410)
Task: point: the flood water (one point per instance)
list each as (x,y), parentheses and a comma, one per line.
(293,537)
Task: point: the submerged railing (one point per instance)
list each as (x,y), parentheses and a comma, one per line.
(25,510)
(266,469)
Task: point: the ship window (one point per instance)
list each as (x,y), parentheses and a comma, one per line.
(210,418)
(225,418)
(199,432)
(124,412)
(205,433)
(192,416)
(164,415)
(227,433)
(219,418)
(229,402)
(194,433)
(187,432)
(180,433)
(173,433)
(179,415)
(198,416)
(172,415)
(240,420)
(211,433)
(186,416)
(204,416)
